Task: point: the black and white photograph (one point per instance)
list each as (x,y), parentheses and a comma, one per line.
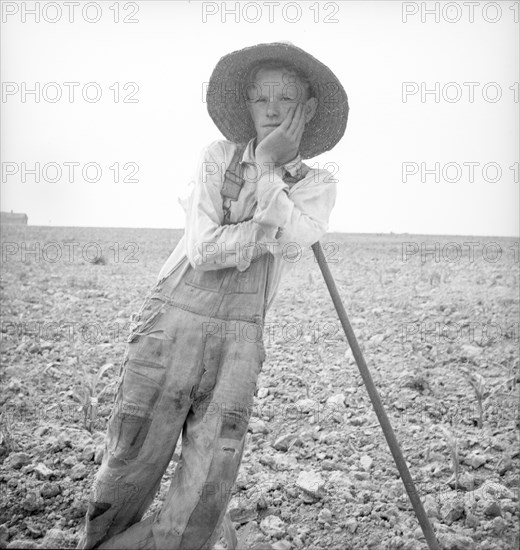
(259,275)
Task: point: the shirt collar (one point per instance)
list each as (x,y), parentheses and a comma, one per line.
(293,167)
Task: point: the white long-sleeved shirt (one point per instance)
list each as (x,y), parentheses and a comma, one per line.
(270,216)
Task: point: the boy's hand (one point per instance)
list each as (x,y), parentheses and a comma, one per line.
(282,144)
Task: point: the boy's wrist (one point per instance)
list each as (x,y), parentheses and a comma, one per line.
(267,184)
(268,170)
(265,164)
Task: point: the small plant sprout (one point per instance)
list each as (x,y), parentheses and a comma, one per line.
(481,393)
(87,395)
(435,278)
(7,441)
(230,535)
(451,441)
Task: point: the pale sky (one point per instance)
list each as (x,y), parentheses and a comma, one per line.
(376,49)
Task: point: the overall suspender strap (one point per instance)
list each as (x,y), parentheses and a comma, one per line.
(300,174)
(233,181)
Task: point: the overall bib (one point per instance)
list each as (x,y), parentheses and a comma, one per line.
(191,365)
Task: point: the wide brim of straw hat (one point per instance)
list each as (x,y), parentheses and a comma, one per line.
(226,97)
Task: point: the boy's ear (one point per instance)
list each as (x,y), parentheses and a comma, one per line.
(310,108)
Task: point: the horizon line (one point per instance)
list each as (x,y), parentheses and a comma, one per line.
(376,233)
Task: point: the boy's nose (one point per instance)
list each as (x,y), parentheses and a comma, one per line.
(273,108)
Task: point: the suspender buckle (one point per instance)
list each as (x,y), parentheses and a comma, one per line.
(233,183)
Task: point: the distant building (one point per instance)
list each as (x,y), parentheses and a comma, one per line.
(13,217)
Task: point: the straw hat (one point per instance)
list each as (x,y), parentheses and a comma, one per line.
(226,98)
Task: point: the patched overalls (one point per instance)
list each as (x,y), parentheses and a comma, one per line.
(191,365)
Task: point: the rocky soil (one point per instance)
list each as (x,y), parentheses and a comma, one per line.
(440,336)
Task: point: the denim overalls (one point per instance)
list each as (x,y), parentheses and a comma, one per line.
(191,365)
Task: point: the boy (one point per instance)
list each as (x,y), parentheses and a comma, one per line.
(188,366)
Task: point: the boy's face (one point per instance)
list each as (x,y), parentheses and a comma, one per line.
(271,95)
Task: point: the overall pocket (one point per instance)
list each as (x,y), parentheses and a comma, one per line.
(248,281)
(147,316)
(205,280)
(140,388)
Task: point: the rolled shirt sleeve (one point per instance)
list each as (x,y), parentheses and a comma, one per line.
(299,214)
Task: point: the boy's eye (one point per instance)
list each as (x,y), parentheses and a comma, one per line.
(264,99)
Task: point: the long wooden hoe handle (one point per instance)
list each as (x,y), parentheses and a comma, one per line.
(376,402)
